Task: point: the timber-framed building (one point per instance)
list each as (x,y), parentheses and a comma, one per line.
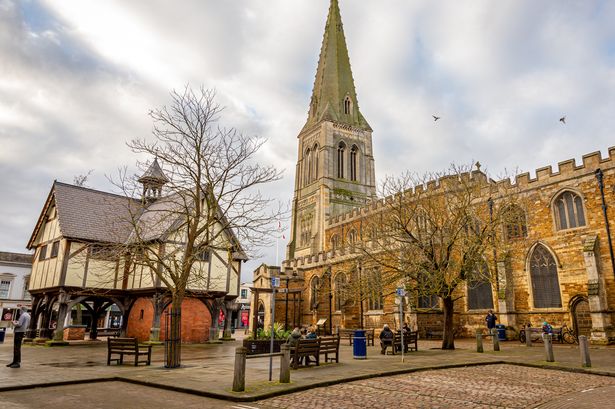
(74,266)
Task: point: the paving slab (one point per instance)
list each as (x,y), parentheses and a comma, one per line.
(208,369)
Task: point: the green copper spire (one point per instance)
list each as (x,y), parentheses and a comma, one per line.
(334,97)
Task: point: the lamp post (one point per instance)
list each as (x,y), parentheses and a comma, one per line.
(329,275)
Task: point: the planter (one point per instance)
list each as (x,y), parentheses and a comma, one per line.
(74,333)
(262,346)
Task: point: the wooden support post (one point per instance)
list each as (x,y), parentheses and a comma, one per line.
(239,375)
(584,348)
(528,337)
(285,363)
(548,339)
(479,341)
(495,339)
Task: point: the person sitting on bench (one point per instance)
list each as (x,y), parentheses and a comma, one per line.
(386,338)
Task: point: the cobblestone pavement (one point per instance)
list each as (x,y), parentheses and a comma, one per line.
(504,386)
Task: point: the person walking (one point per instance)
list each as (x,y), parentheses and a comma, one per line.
(490,319)
(21,326)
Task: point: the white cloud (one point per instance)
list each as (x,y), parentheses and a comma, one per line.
(77,78)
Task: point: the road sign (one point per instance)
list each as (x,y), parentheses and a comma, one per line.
(401,292)
(275,281)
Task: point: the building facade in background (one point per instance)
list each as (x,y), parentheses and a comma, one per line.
(560,266)
(15,270)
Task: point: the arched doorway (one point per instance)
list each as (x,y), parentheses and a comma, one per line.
(581,317)
(261,316)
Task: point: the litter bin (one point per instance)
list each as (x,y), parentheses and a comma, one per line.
(2,334)
(501,332)
(359,345)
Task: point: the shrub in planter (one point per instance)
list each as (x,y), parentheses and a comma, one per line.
(261,343)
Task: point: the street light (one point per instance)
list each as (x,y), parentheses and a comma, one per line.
(329,275)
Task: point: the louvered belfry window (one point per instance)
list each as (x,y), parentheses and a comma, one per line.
(545,283)
(480,296)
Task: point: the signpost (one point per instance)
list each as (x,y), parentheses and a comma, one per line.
(401,293)
(275,283)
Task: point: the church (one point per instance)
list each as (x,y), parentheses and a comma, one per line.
(562,271)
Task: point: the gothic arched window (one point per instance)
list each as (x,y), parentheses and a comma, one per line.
(515,225)
(307,163)
(375,300)
(314,289)
(347,106)
(335,242)
(353,163)
(480,295)
(545,283)
(569,210)
(341,283)
(351,237)
(315,172)
(341,151)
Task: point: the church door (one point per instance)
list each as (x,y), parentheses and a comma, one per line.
(582,319)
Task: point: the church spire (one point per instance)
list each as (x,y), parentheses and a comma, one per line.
(334,97)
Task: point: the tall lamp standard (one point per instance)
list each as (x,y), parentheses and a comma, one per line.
(329,276)
(287,279)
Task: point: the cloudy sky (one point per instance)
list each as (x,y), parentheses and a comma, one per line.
(77,78)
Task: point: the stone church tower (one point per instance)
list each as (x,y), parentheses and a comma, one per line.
(335,166)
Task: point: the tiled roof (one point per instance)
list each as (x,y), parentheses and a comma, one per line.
(92,215)
(15,258)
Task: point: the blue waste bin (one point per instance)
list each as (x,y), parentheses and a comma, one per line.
(501,332)
(2,334)
(359,345)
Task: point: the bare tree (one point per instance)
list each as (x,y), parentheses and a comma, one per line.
(439,232)
(207,200)
(81,180)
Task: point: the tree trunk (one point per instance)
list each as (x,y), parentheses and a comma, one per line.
(448,337)
(173,342)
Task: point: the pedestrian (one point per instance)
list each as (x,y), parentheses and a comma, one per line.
(386,338)
(20,328)
(490,319)
(311,334)
(547,328)
(406,331)
(294,337)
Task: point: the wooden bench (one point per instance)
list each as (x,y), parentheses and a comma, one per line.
(438,332)
(127,346)
(349,333)
(305,349)
(330,345)
(410,341)
(108,332)
(536,333)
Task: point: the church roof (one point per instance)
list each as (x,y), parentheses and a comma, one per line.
(334,82)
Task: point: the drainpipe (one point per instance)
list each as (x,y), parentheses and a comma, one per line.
(600,177)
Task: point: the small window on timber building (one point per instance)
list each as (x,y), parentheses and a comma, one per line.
(43,254)
(203,255)
(55,247)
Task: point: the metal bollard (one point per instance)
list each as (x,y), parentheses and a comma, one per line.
(495,339)
(239,375)
(584,348)
(528,337)
(548,339)
(479,342)
(285,363)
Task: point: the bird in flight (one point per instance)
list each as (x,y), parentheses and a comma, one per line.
(435,118)
(563,119)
